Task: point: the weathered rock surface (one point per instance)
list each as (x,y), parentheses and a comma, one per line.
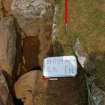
(5,8)
(7,44)
(25,87)
(96,96)
(5,95)
(1,9)
(31,14)
(86,62)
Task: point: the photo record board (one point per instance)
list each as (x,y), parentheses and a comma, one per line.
(63,66)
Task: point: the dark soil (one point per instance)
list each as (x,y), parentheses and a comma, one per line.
(64,91)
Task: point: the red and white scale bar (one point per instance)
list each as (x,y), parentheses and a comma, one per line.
(66,16)
(66,12)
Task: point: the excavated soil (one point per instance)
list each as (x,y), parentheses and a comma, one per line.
(64,91)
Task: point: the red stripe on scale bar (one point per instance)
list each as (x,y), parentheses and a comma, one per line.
(66,12)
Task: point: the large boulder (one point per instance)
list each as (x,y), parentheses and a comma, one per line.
(31,14)
(7,44)
(5,95)
(25,87)
(1,11)
(5,8)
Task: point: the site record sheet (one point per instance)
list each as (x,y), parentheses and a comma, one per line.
(63,66)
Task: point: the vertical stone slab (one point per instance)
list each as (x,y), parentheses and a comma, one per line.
(7,44)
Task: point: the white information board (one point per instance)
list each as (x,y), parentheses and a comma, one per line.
(63,66)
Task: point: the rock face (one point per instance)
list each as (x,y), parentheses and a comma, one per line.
(86,62)
(7,44)
(5,96)
(5,8)
(31,14)
(35,19)
(25,87)
(1,11)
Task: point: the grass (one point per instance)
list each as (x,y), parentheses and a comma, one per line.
(87,22)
